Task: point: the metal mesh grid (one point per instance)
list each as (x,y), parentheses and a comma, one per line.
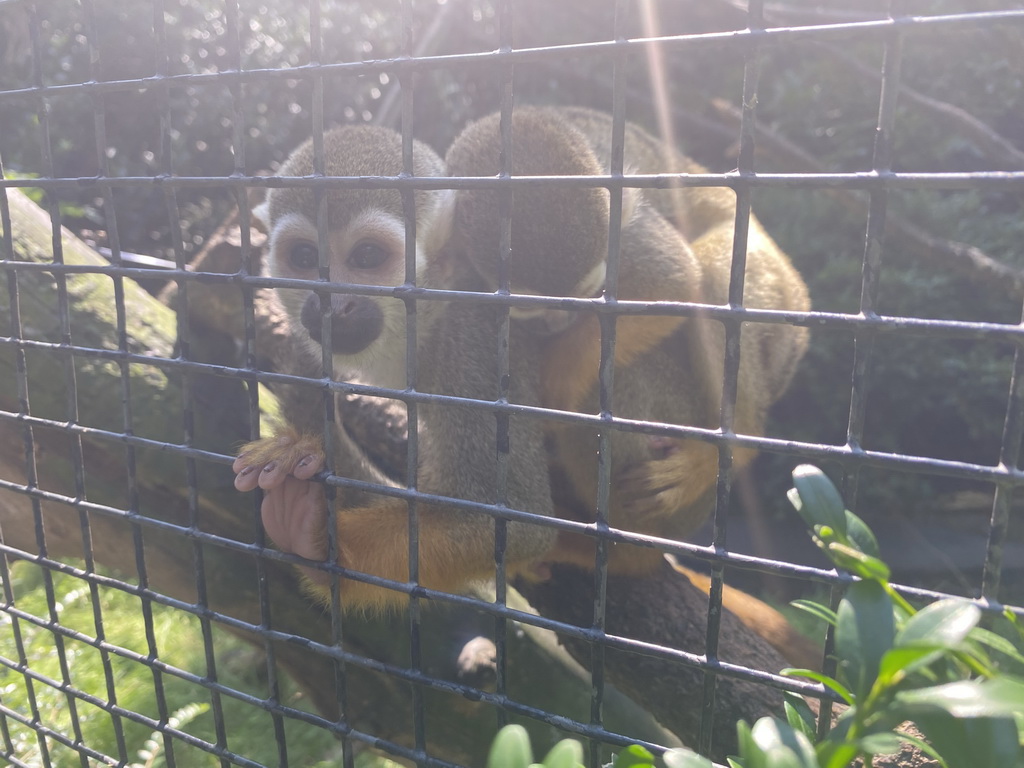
(866,326)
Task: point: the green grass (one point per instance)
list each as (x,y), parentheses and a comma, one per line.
(179,642)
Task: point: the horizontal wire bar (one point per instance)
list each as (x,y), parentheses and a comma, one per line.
(847,454)
(917,326)
(856,180)
(601,49)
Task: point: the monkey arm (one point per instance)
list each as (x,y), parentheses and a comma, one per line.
(459,449)
(655,264)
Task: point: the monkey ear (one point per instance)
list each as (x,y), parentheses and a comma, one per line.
(260,216)
(439,219)
(631,197)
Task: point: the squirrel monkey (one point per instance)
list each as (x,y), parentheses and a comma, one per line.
(456,247)
(676,244)
(458,356)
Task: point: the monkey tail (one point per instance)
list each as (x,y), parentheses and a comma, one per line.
(760,617)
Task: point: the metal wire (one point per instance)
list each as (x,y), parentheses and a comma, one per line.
(867,325)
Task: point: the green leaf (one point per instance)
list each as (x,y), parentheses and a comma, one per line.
(734,763)
(899,662)
(977,742)
(996,697)
(799,715)
(634,755)
(865,629)
(568,753)
(821,503)
(838,755)
(860,535)
(856,562)
(881,743)
(751,754)
(683,758)
(783,746)
(997,643)
(511,748)
(818,610)
(942,624)
(818,677)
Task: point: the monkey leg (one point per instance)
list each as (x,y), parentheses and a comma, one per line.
(650,494)
(267,462)
(374,540)
(571,359)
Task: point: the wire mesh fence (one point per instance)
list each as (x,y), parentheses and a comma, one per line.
(146,616)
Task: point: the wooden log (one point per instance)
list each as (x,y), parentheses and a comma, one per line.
(216,524)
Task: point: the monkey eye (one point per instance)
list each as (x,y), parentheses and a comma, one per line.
(304,256)
(368,255)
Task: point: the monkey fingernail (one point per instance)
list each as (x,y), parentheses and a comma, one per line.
(270,467)
(306,461)
(246,471)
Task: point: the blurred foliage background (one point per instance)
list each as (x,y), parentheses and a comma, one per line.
(817,107)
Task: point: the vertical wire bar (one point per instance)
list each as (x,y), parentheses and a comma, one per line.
(730,378)
(7,253)
(407,85)
(184,344)
(320,198)
(161,69)
(31,476)
(5,570)
(107,195)
(70,380)
(864,337)
(505,201)
(606,377)
(829,664)
(188,423)
(22,666)
(248,265)
(1009,456)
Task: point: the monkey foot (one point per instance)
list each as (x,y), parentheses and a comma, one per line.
(267,463)
(656,490)
(294,516)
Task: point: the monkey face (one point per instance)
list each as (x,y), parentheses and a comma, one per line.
(365,243)
(367,333)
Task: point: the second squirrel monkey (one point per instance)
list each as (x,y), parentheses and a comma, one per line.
(676,244)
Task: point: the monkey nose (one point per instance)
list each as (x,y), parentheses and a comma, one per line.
(356,322)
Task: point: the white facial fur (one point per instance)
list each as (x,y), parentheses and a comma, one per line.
(382,363)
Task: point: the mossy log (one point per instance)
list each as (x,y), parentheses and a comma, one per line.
(153,505)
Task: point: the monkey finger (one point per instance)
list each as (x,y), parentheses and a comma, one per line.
(246,477)
(308,466)
(240,463)
(272,475)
